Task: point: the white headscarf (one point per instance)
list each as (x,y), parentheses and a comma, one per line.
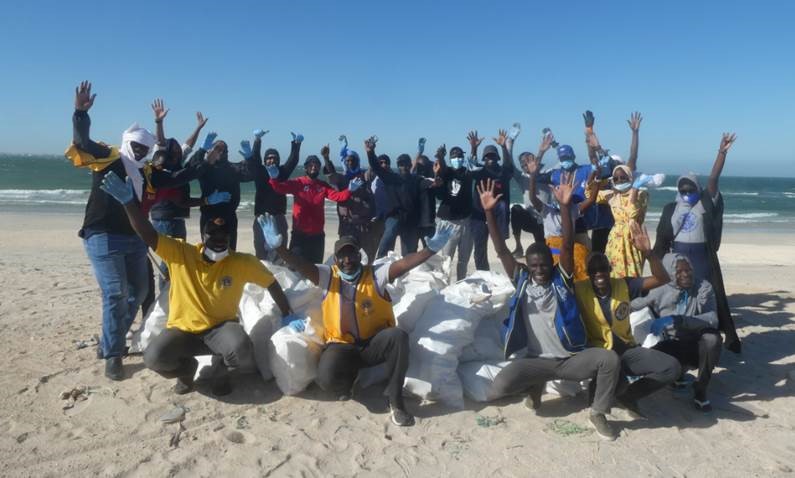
(131,165)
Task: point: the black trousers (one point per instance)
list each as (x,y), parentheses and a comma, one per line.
(309,246)
(171,354)
(701,352)
(599,239)
(601,365)
(523,220)
(340,363)
(656,369)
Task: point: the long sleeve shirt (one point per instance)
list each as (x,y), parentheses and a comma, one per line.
(223,176)
(309,197)
(266,200)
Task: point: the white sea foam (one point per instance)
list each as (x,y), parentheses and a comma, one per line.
(44,196)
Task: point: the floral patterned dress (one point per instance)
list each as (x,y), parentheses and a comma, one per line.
(625,259)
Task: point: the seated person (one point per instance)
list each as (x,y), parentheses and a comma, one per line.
(687,316)
(604,306)
(358,321)
(545,299)
(206,285)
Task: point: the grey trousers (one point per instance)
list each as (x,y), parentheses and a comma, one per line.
(656,369)
(528,374)
(171,354)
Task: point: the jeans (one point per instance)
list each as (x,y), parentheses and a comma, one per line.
(409,237)
(119,263)
(262,252)
(475,236)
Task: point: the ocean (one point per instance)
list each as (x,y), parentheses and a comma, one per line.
(34,183)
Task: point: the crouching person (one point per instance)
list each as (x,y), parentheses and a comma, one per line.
(360,329)
(206,285)
(545,322)
(688,320)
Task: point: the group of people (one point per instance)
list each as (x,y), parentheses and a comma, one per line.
(575,289)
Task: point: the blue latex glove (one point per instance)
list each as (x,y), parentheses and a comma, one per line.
(663,324)
(259,133)
(209,140)
(651,180)
(273,171)
(294,322)
(444,231)
(297,138)
(421,145)
(245,149)
(355,184)
(217,197)
(270,231)
(122,191)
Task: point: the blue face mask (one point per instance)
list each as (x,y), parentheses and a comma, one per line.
(351,277)
(622,187)
(691,198)
(456,163)
(567,165)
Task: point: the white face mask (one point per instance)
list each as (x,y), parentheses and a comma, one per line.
(622,187)
(215,256)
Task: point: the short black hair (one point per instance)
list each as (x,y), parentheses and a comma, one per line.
(597,261)
(539,248)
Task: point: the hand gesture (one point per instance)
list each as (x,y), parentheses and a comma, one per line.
(355,184)
(487,198)
(441,152)
(344,140)
(270,231)
(259,133)
(217,197)
(502,136)
(589,119)
(634,121)
(209,140)
(297,138)
(245,149)
(640,237)
(473,139)
(273,171)
(564,191)
(421,146)
(122,191)
(369,143)
(726,142)
(444,231)
(159,109)
(325,151)
(547,140)
(84,100)
(200,120)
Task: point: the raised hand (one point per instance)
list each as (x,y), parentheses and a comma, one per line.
(201,120)
(84,100)
(325,151)
(273,171)
(589,119)
(441,152)
(270,231)
(209,140)
(122,191)
(726,142)
(474,140)
(515,130)
(344,140)
(369,143)
(640,237)
(217,197)
(297,138)
(421,145)
(159,108)
(564,191)
(444,231)
(502,136)
(547,140)
(259,133)
(486,191)
(355,184)
(245,149)
(634,121)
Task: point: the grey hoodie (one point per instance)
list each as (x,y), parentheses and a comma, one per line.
(699,307)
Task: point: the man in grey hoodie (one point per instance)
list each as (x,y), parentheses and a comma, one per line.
(687,321)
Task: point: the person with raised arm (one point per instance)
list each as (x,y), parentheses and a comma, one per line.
(309,217)
(266,200)
(117,255)
(207,282)
(692,226)
(543,336)
(358,320)
(604,304)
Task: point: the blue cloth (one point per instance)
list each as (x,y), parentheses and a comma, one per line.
(119,264)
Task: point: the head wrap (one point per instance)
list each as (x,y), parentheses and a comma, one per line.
(132,165)
(682,206)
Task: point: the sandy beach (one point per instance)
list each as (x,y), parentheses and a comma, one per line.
(49,300)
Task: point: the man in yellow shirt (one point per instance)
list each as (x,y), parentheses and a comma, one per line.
(206,285)
(358,320)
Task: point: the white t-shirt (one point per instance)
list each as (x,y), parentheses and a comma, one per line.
(348,291)
(551,216)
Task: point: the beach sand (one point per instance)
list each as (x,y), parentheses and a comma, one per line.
(49,300)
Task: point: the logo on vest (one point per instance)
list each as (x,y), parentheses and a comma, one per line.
(226,281)
(622,311)
(367,306)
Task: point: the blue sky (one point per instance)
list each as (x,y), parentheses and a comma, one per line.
(407,69)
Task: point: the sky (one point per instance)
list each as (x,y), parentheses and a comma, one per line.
(407,69)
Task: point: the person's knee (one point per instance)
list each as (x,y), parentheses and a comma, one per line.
(333,379)
(155,359)
(398,337)
(240,355)
(670,368)
(711,340)
(608,360)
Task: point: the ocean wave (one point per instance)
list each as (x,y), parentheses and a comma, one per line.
(44,196)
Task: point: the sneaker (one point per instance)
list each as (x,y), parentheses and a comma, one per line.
(221,386)
(401,417)
(113,368)
(702,405)
(183,385)
(632,408)
(603,428)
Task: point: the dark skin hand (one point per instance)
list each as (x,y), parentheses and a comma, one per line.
(84,100)
(726,142)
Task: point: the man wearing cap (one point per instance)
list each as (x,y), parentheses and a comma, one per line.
(455,200)
(358,321)
(309,194)
(207,282)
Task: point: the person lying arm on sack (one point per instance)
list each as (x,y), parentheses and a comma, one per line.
(360,328)
(207,282)
(544,336)
(687,322)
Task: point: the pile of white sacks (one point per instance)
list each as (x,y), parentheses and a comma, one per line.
(454,332)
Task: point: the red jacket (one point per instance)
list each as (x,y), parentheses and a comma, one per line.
(309,196)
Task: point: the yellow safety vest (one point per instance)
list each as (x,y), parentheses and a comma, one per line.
(373,313)
(599,331)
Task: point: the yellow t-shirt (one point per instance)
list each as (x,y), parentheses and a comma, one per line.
(205,294)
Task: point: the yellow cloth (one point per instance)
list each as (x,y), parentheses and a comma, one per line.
(580,255)
(599,331)
(373,313)
(81,159)
(625,259)
(205,294)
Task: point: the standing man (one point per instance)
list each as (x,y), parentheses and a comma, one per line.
(455,206)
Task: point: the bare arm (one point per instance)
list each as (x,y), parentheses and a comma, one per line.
(160,114)
(726,143)
(200,122)
(563,195)
(634,125)
(81,123)
(277,293)
(141,224)
(640,238)
(299,264)
(403,266)
(489,201)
